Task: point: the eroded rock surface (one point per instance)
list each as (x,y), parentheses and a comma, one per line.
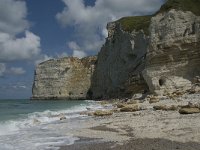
(119,65)
(66,78)
(163,58)
(173,58)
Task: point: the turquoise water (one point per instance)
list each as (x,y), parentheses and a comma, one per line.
(36,125)
(14,109)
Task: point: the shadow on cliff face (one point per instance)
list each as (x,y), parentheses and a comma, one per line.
(134,84)
(118,69)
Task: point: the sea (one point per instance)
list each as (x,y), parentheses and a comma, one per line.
(36,125)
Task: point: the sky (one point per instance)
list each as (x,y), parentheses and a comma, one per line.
(33,31)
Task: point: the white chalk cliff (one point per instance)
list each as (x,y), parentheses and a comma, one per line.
(65,78)
(173,57)
(159,54)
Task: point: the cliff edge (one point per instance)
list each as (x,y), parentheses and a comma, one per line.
(156,54)
(65,78)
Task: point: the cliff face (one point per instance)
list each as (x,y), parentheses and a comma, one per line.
(173,58)
(160,53)
(169,39)
(66,78)
(120,63)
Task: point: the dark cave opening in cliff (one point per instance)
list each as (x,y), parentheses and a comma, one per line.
(161,82)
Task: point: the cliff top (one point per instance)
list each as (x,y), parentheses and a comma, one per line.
(142,22)
(185,5)
(87,61)
(135,22)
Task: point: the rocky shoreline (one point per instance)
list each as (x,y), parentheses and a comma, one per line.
(158,56)
(155,122)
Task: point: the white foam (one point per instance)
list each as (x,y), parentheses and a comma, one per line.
(8,127)
(38,130)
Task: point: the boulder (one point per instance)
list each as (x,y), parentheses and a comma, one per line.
(189,110)
(160,107)
(36,121)
(133,101)
(121,105)
(63,118)
(130,108)
(154,100)
(166,108)
(86,113)
(102,113)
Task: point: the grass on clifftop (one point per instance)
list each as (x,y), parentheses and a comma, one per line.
(185,5)
(142,22)
(136,22)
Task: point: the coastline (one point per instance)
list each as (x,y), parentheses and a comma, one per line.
(146,129)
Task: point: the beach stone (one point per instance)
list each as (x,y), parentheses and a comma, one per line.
(102,113)
(137,96)
(90,114)
(83,113)
(36,121)
(130,108)
(116,110)
(121,105)
(133,101)
(154,100)
(166,108)
(63,118)
(160,107)
(87,113)
(189,110)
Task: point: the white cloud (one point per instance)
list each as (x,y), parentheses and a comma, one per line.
(12,71)
(79,54)
(13,22)
(73,45)
(90,21)
(25,48)
(19,87)
(16,71)
(13,16)
(2,69)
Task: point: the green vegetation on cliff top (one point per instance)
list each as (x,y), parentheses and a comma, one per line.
(142,22)
(185,5)
(136,22)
